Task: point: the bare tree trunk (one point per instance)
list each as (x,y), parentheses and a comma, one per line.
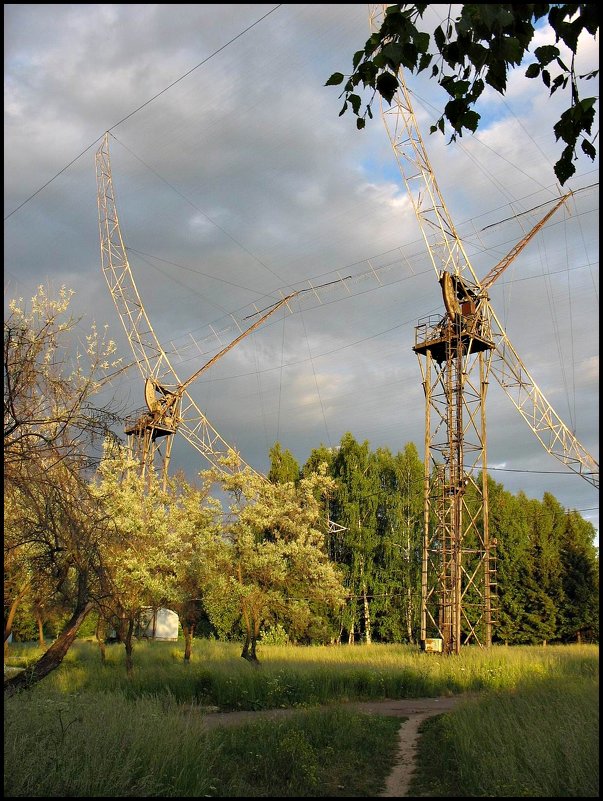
(53,656)
(409,614)
(352,623)
(188,640)
(254,638)
(341,627)
(249,648)
(251,636)
(121,629)
(101,634)
(351,634)
(246,644)
(8,623)
(367,615)
(129,648)
(247,622)
(40,623)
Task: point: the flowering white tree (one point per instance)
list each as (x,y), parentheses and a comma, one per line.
(139,558)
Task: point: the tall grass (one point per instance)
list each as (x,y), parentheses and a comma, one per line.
(540,739)
(88,730)
(95,744)
(292,676)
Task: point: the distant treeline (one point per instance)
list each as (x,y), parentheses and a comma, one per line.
(547,564)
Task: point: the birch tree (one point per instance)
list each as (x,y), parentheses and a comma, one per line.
(279,569)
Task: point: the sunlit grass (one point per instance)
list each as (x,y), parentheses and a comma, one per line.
(90,731)
(540,739)
(304,676)
(96,744)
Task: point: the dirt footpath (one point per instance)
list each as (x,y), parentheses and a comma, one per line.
(415,709)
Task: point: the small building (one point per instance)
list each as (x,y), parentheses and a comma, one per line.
(159,624)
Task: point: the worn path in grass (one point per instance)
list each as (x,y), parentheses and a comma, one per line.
(415,709)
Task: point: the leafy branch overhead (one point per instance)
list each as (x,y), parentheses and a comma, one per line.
(476,50)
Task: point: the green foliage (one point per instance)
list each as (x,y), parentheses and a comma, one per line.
(275,635)
(275,568)
(539,546)
(547,569)
(24,628)
(400,530)
(476,50)
(579,614)
(283,466)
(356,499)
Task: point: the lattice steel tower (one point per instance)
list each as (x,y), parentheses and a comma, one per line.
(458,352)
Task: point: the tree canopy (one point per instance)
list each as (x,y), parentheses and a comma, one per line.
(475,50)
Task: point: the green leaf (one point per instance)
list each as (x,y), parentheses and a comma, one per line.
(439,38)
(477,54)
(546,78)
(410,55)
(422,42)
(453,87)
(335,79)
(533,71)
(546,54)
(471,120)
(540,10)
(355,101)
(569,32)
(379,61)
(367,72)
(393,53)
(360,123)
(424,62)
(587,103)
(564,168)
(476,90)
(358,56)
(454,111)
(452,55)
(386,85)
(512,51)
(560,80)
(343,110)
(589,149)
(496,76)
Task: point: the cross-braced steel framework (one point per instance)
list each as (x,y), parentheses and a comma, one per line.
(458,557)
(457,353)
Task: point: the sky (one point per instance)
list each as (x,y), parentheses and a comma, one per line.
(237,182)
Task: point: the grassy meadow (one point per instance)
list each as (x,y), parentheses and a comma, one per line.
(529,729)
